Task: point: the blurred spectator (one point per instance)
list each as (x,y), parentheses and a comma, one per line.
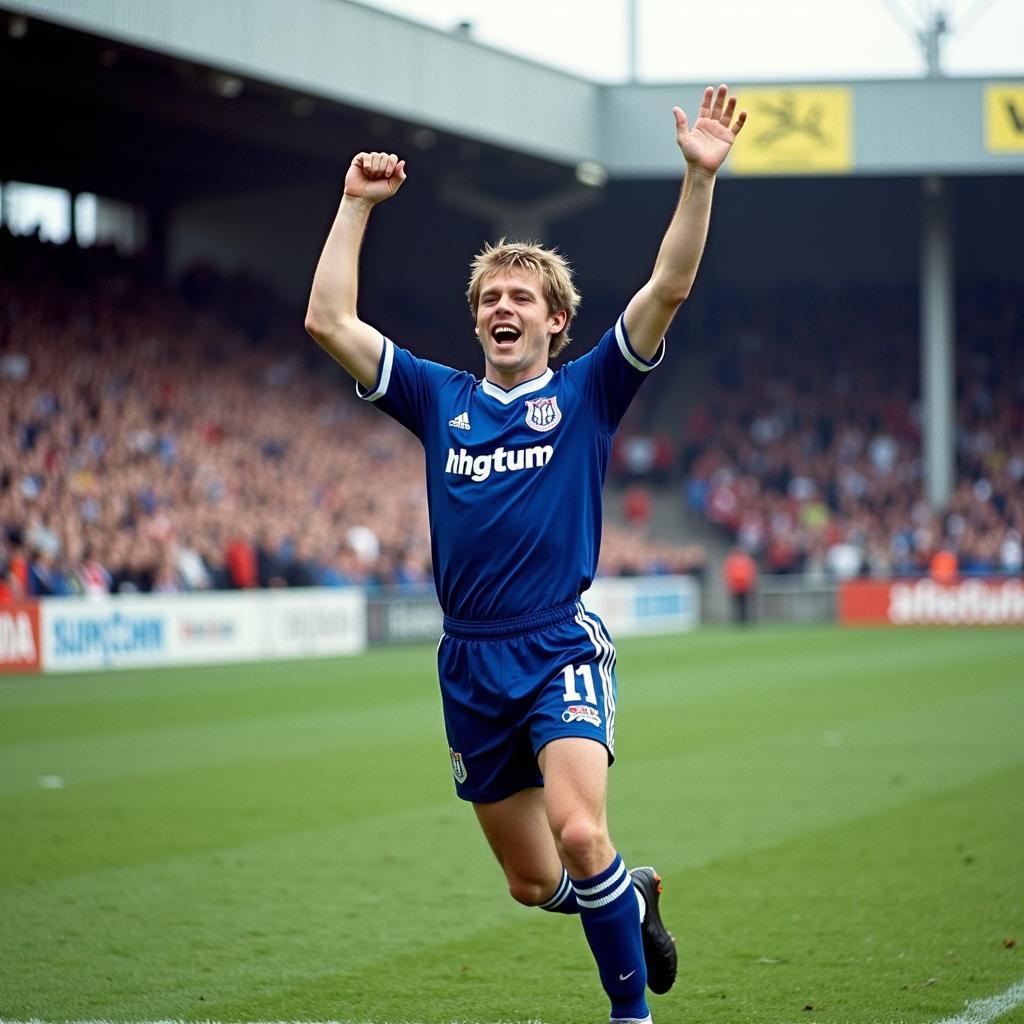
(241,564)
(739,571)
(943,566)
(636,506)
(93,577)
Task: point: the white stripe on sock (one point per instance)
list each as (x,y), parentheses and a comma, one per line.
(601,886)
(564,887)
(605,900)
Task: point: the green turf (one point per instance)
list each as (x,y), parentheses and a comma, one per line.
(839,817)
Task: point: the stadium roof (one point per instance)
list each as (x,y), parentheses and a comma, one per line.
(290,88)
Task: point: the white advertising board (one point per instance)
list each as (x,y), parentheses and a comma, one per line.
(126,631)
(645,604)
(80,633)
(301,622)
(215,627)
(149,629)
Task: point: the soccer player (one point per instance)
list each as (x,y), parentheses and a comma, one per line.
(515,462)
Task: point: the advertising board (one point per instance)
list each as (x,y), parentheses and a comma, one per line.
(927,603)
(82,633)
(313,621)
(645,605)
(19,637)
(402,618)
(146,629)
(71,634)
(216,627)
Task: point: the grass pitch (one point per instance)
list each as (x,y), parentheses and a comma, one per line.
(838,816)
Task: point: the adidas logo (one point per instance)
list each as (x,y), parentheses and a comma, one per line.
(461,422)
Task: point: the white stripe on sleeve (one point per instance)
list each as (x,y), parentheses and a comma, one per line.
(385,374)
(643,365)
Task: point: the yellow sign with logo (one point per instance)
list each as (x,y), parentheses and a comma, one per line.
(795,131)
(1004,118)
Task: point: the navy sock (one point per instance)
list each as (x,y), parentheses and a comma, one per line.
(611,921)
(564,899)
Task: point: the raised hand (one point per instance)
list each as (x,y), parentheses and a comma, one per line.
(374,176)
(707,143)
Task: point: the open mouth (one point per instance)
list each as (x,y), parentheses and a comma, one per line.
(505,334)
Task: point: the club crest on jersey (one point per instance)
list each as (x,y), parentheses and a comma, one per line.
(543,413)
(581,713)
(458,766)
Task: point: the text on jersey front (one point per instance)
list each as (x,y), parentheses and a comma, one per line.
(501,460)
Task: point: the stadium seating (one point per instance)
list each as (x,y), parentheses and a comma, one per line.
(807,450)
(159,440)
(168,440)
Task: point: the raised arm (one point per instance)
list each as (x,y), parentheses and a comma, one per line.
(331,319)
(704,147)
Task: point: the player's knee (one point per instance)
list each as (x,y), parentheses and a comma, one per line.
(582,843)
(528,891)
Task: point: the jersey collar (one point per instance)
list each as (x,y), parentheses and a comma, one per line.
(527,387)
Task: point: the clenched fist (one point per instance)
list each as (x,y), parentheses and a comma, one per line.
(374,176)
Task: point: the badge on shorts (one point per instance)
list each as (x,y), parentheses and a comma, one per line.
(458,766)
(581,713)
(543,413)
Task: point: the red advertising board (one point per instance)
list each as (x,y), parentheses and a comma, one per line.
(927,603)
(19,637)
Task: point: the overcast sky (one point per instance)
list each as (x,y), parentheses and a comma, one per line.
(683,40)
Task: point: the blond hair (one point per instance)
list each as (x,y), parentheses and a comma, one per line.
(529,258)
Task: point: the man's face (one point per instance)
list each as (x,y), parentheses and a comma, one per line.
(515,326)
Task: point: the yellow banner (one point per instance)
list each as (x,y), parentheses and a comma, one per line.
(795,131)
(1004,118)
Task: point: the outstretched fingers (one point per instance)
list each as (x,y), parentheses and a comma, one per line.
(707,144)
(705,103)
(721,107)
(719,102)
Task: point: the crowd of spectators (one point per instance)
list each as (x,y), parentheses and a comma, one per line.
(158,439)
(174,440)
(807,449)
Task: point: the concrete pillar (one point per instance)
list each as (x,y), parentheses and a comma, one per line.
(938,403)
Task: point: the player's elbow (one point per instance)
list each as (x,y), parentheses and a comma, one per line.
(311,324)
(677,297)
(322,328)
(316,324)
(671,293)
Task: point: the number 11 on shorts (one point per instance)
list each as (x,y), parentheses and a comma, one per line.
(571,693)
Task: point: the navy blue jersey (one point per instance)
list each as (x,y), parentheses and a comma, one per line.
(513,477)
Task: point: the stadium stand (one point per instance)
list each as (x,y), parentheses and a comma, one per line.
(158,440)
(807,449)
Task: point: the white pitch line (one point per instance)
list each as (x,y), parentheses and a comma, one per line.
(978,1011)
(981,1011)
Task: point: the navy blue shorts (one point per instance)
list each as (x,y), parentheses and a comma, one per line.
(510,687)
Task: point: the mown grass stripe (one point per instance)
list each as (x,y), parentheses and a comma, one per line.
(458,1020)
(833,824)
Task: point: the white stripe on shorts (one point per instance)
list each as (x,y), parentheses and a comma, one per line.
(606,663)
